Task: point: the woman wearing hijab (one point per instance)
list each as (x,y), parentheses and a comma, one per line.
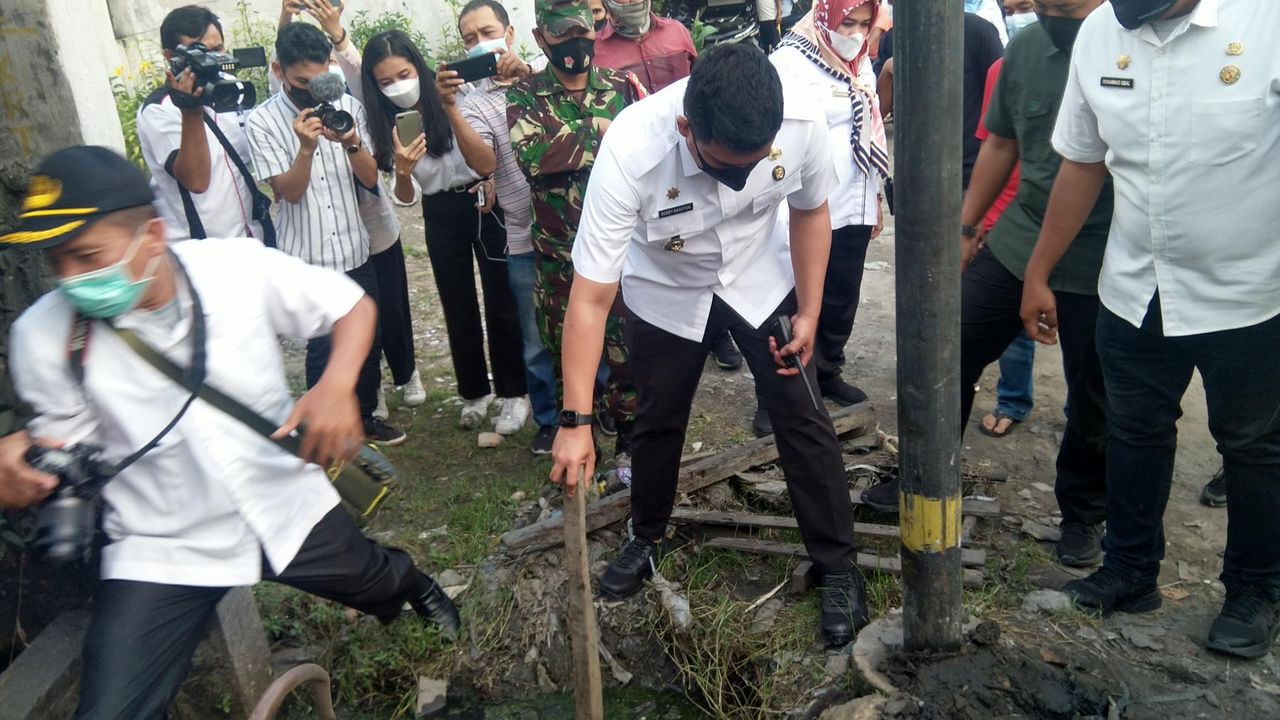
(826,53)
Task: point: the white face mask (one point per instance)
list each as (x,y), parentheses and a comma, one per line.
(847,46)
(403,93)
(487,46)
(1014,23)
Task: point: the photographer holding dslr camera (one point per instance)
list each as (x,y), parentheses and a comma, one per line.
(194,500)
(193,139)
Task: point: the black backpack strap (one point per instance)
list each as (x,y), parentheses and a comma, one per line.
(77,345)
(261,203)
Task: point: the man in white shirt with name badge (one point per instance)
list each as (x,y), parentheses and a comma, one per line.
(1179,100)
(195,502)
(680,209)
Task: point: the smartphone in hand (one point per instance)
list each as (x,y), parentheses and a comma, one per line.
(476,68)
(408,126)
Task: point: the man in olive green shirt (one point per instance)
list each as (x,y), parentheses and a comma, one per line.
(1024,108)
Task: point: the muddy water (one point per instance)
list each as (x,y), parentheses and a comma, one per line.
(628,704)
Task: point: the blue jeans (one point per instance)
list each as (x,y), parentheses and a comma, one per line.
(537,361)
(1014,393)
(1147,374)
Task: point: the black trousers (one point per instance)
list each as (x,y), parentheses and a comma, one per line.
(370,378)
(666,369)
(452,242)
(768,38)
(395,320)
(840,296)
(990,300)
(142,635)
(1147,375)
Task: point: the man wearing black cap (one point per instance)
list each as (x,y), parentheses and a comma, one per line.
(211,504)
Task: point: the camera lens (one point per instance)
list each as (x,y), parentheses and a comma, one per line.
(339,121)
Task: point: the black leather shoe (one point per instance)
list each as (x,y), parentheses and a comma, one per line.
(1107,592)
(1081,545)
(628,571)
(841,392)
(1248,623)
(844,607)
(1214,494)
(883,497)
(727,355)
(760,424)
(435,606)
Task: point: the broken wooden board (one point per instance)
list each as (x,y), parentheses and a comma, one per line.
(778,522)
(693,477)
(866,561)
(970,506)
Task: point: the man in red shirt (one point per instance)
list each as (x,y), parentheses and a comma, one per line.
(657,50)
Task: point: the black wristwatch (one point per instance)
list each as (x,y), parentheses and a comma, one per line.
(571,419)
(353,149)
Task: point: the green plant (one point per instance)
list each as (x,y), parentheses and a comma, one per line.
(364,25)
(131,89)
(700,32)
(249,29)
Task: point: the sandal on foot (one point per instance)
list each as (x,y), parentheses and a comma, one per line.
(992,431)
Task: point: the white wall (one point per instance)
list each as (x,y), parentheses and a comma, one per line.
(136,23)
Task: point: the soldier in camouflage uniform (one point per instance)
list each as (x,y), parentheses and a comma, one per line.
(557,118)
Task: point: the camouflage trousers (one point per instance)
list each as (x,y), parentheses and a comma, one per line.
(551,298)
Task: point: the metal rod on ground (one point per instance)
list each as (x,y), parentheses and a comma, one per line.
(928,61)
(587,687)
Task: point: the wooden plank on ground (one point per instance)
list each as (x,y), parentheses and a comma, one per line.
(866,561)
(693,477)
(588,689)
(970,507)
(767,522)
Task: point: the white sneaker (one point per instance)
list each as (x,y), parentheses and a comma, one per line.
(414,393)
(381,411)
(515,413)
(474,412)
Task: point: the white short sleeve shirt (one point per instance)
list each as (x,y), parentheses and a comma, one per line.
(676,237)
(214,497)
(1189,127)
(225,209)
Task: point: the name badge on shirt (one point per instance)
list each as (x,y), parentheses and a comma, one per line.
(677,210)
(1115,82)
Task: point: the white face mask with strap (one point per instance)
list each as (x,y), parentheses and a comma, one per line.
(847,46)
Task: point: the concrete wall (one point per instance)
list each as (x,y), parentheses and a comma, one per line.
(136,23)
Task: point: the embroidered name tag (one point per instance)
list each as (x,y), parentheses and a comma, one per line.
(677,210)
(1114,82)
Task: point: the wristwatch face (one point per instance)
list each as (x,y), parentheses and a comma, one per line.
(569,418)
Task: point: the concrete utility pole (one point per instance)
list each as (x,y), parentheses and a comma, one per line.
(928,61)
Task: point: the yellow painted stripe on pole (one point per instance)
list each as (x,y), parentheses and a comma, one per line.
(930,525)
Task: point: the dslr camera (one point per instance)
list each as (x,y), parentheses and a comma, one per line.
(328,89)
(223,92)
(67,521)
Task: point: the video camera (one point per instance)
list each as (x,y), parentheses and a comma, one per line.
(67,520)
(223,92)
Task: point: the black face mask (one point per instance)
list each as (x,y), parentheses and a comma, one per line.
(601,23)
(734,177)
(1133,14)
(302,98)
(1062,31)
(573,56)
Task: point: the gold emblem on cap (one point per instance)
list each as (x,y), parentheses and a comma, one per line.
(1234,49)
(42,192)
(675,244)
(779,172)
(775,153)
(673,193)
(1124,62)
(1230,75)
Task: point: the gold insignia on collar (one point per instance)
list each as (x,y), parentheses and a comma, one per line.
(779,173)
(1230,75)
(775,153)
(675,244)
(1124,62)
(1235,48)
(673,193)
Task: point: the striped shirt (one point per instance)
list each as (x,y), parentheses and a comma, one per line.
(485,109)
(324,228)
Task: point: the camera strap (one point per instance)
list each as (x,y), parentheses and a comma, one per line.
(261,203)
(191,379)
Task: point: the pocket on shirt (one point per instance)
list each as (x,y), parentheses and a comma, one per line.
(684,225)
(776,193)
(1225,131)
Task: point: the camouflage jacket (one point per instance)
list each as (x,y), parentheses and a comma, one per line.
(554,138)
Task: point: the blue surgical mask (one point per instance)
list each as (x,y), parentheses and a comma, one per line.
(1014,23)
(109,291)
(487,46)
(973,6)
